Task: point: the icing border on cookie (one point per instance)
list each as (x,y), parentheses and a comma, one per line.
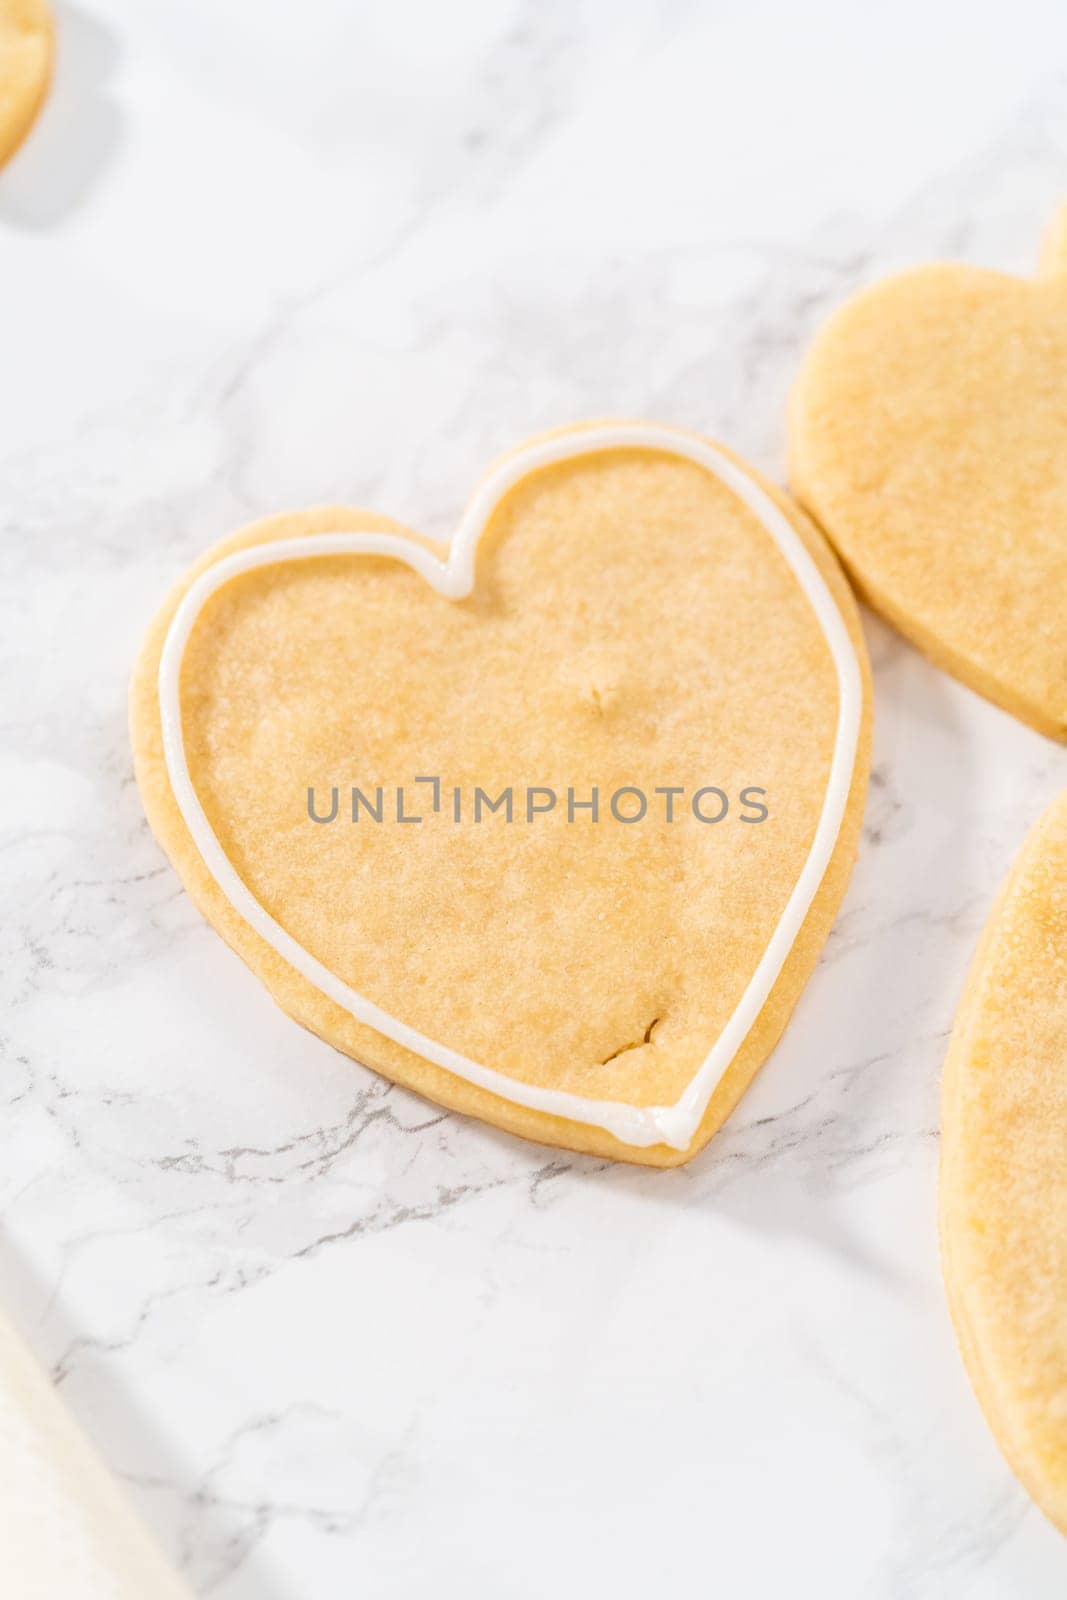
(454,578)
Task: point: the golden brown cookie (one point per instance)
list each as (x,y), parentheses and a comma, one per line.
(928,438)
(26,44)
(1003,1192)
(628,618)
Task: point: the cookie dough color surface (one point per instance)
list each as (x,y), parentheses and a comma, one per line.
(26,47)
(928,438)
(595,684)
(1004,1167)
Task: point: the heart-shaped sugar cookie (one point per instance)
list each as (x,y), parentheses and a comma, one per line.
(928,438)
(550,825)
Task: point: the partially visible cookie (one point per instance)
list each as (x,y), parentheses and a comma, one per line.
(928,438)
(1003,1193)
(26,43)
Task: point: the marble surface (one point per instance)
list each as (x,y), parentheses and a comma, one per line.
(333,1341)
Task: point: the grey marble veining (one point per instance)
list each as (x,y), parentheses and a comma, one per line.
(334,1340)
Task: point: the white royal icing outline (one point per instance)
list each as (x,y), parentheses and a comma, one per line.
(454,578)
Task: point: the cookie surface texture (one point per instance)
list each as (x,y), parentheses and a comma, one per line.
(928,439)
(1003,1187)
(25,68)
(630,707)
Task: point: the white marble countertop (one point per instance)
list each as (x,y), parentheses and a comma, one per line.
(335,1342)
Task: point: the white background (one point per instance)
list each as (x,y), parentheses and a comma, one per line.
(262,255)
